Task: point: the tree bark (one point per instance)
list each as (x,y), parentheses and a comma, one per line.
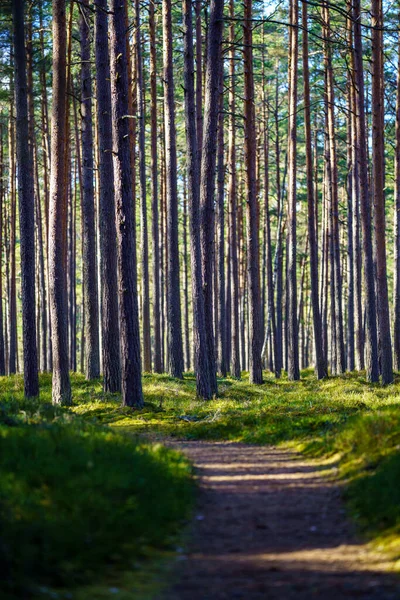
(291,297)
(175,349)
(203,385)
(91,306)
(131,384)
(253,253)
(108,259)
(61,391)
(207,177)
(378,160)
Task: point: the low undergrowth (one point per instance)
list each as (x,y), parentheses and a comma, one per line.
(344,415)
(80,502)
(81,494)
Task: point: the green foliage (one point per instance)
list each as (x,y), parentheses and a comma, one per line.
(78,500)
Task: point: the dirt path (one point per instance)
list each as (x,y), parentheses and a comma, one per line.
(271,525)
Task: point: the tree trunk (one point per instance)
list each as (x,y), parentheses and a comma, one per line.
(232,199)
(108,258)
(370,303)
(175,349)
(144,242)
(320,366)
(131,384)
(253,253)
(61,391)
(203,385)
(207,178)
(157,358)
(378,160)
(91,307)
(291,296)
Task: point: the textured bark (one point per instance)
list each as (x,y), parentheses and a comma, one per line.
(207,177)
(291,296)
(378,160)
(157,357)
(232,200)
(12,291)
(175,349)
(339,365)
(185,281)
(2,340)
(253,254)
(371,343)
(199,80)
(61,391)
(320,363)
(203,385)
(131,384)
(144,241)
(108,256)
(220,267)
(396,330)
(91,307)
(26,202)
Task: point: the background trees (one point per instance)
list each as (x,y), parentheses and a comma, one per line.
(293,157)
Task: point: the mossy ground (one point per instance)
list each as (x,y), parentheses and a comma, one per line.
(48,449)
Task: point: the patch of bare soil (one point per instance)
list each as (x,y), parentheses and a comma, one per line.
(270,524)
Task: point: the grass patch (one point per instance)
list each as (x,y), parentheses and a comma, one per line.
(80,501)
(344,415)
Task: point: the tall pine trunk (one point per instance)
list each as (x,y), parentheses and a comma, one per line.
(131,384)
(26,206)
(107,229)
(61,391)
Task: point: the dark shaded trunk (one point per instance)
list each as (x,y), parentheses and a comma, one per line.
(253,253)
(108,255)
(291,294)
(26,203)
(232,200)
(175,349)
(396,331)
(144,242)
(131,384)
(220,267)
(91,306)
(370,302)
(207,177)
(203,385)
(378,160)
(157,298)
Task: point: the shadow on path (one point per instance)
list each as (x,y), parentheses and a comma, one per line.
(270,524)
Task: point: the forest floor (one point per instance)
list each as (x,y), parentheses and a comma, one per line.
(298,490)
(271,524)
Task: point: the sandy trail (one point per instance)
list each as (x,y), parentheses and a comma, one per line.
(270,524)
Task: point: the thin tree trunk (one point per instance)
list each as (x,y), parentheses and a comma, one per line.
(157,298)
(320,366)
(253,254)
(175,349)
(291,296)
(396,330)
(232,198)
(91,307)
(370,302)
(378,159)
(220,267)
(144,242)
